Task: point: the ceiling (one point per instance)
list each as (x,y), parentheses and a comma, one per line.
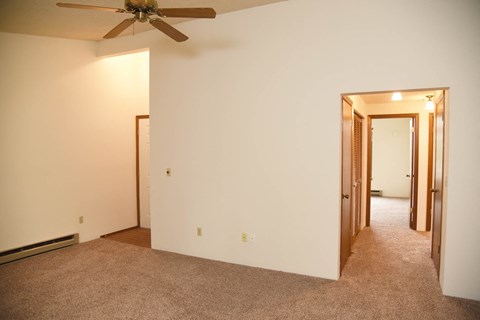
(44,18)
(387,97)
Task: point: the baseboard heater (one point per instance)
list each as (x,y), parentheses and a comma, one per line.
(37,248)
(376,193)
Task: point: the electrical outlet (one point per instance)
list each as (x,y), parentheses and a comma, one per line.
(244,237)
(199,231)
(80,219)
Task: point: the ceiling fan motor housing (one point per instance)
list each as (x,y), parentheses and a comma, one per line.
(147,6)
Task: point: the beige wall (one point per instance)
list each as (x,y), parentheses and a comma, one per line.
(67,138)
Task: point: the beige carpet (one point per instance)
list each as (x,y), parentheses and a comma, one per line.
(390,276)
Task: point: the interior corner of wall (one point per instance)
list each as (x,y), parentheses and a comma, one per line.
(128,44)
(105,53)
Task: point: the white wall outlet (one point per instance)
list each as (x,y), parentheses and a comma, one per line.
(199,231)
(80,219)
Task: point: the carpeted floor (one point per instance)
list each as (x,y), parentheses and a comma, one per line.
(389,276)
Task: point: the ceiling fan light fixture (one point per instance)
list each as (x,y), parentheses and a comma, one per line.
(397,96)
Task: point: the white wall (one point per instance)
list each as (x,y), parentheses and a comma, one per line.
(247,113)
(391,157)
(67,138)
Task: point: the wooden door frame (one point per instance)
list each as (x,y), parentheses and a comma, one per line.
(442,97)
(343,259)
(369,159)
(137,160)
(431,127)
(362,185)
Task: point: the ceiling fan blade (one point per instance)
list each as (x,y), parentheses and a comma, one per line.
(207,13)
(119,28)
(168,30)
(84,6)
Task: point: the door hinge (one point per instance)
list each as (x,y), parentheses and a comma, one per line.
(411,214)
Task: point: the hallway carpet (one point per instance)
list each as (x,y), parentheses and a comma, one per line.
(389,276)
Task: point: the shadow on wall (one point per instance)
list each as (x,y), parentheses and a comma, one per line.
(194,48)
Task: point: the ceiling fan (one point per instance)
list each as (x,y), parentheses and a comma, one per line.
(144,10)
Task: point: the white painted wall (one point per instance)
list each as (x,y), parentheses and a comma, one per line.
(248,117)
(391,157)
(247,113)
(67,140)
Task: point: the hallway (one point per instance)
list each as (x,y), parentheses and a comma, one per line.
(392,264)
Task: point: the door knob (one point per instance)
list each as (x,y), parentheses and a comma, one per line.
(345,196)
(434,190)
(408,176)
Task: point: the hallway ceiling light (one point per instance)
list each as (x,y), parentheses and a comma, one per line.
(397,96)
(430,105)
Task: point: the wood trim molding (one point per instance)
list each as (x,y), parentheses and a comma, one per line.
(137,164)
(392,91)
(348,100)
(368,178)
(355,111)
(431,122)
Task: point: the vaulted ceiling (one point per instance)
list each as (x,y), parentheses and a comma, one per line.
(43,17)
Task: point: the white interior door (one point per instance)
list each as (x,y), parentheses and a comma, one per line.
(144,171)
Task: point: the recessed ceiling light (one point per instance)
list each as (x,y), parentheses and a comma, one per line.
(397,96)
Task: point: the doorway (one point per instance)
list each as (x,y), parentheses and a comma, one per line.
(400,153)
(139,235)
(427,149)
(142,142)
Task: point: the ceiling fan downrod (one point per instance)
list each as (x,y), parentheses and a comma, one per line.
(141,16)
